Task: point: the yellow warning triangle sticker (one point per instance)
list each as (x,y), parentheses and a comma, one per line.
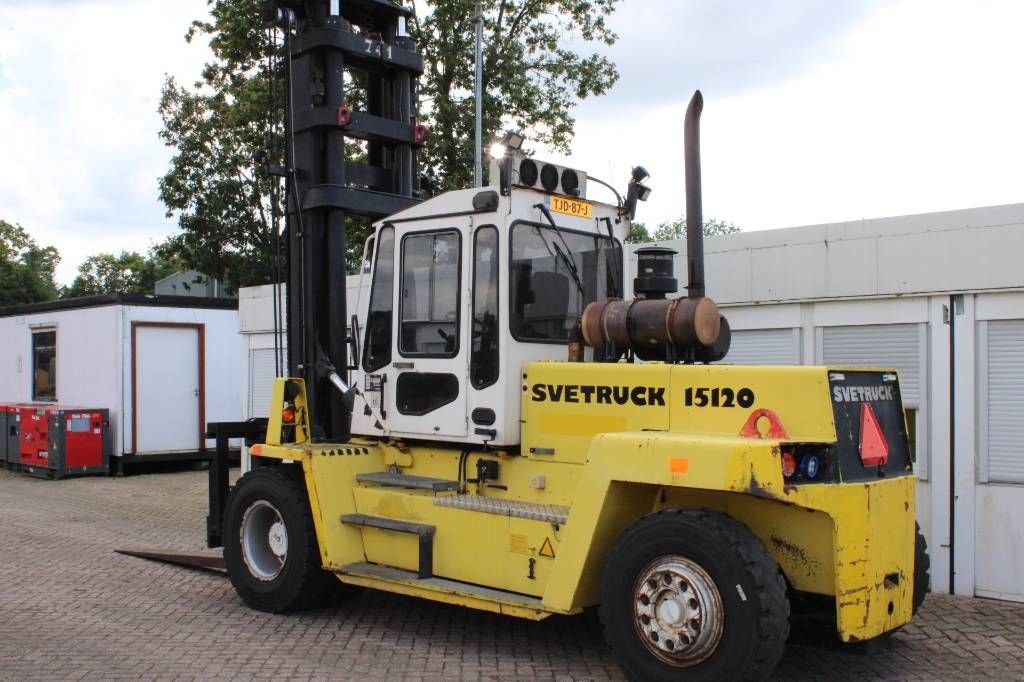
(547,550)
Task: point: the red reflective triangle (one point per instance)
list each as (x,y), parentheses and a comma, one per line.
(874,449)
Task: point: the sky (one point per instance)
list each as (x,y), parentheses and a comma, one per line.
(814,111)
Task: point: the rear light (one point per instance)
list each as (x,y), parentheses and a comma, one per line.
(810,466)
(288,415)
(788,463)
(344,115)
(420,133)
(874,448)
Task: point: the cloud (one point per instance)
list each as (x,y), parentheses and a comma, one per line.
(729,46)
(914,108)
(79,91)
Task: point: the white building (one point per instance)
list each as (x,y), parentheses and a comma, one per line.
(163,365)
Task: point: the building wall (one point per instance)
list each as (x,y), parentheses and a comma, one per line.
(87,359)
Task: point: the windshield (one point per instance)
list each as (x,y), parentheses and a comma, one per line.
(555,275)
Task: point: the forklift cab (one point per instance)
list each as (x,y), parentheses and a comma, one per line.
(465,288)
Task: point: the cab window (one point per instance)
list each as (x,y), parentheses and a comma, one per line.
(483,364)
(429,303)
(378,321)
(555,274)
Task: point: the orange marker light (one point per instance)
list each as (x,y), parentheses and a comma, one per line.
(679,465)
(288,415)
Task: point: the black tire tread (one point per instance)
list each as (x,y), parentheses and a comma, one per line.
(764,571)
(922,569)
(316,586)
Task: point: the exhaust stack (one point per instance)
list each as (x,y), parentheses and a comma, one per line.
(688,329)
(694,209)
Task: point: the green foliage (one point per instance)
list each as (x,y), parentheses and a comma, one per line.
(532,80)
(26,269)
(637,234)
(128,273)
(676,229)
(221,202)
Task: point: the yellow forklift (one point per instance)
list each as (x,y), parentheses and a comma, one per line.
(504,425)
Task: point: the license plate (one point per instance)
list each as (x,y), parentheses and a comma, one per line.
(573,207)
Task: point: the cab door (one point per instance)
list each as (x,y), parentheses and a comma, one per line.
(426,379)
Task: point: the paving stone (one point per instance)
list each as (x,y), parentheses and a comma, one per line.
(72,609)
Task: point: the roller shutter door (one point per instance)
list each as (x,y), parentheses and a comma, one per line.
(763,347)
(261,381)
(1005,398)
(883,345)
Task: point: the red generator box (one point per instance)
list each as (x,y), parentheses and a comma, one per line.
(58,441)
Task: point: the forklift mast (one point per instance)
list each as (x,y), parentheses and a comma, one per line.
(331,45)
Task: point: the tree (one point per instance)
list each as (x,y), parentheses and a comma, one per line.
(26,269)
(215,127)
(532,82)
(676,229)
(128,273)
(637,234)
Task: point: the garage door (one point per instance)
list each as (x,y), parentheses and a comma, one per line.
(900,346)
(1002,389)
(999,495)
(764,347)
(886,345)
(261,381)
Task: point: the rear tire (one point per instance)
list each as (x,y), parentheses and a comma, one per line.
(270,545)
(692,594)
(922,568)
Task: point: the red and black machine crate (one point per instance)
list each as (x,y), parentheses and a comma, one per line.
(55,441)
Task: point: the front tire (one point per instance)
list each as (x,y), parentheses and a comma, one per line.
(693,594)
(270,545)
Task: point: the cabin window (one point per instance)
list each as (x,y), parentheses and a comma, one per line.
(555,274)
(483,365)
(44,365)
(429,306)
(377,352)
(418,393)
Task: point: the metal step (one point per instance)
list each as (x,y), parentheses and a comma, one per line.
(549,513)
(477,596)
(424,531)
(391,479)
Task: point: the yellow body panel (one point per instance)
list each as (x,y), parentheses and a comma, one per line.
(610,457)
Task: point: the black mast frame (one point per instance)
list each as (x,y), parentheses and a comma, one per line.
(324,38)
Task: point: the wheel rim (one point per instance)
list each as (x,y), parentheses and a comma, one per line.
(677,611)
(264,540)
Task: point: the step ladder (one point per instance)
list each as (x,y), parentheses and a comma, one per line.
(424,531)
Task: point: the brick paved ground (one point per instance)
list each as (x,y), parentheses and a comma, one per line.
(71,609)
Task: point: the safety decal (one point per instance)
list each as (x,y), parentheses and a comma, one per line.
(519,544)
(547,550)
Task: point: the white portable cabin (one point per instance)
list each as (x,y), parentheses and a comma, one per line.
(163,365)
